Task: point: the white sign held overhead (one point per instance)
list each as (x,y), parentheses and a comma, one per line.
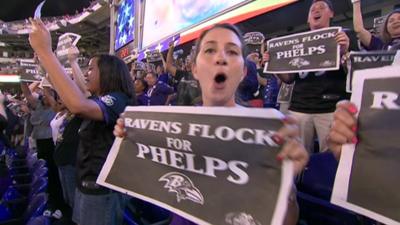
(38,10)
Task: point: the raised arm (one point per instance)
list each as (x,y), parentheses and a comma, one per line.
(170,60)
(363,35)
(262,48)
(77,73)
(28,94)
(69,92)
(164,63)
(2,107)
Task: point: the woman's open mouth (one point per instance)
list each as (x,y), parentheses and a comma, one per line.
(220,79)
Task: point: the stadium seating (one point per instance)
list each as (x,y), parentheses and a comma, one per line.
(35,208)
(314,192)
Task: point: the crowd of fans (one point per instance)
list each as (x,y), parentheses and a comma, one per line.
(71,124)
(52,23)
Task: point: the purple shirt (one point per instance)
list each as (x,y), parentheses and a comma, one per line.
(141,99)
(158,94)
(377,44)
(163,78)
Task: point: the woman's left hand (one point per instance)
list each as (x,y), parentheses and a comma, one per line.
(119,128)
(40,38)
(292,149)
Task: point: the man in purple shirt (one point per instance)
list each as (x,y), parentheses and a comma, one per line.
(157,92)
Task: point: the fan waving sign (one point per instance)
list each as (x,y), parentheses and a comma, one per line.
(367,60)
(65,42)
(368,172)
(29,70)
(210,165)
(304,52)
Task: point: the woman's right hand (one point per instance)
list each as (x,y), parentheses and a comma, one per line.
(40,38)
(119,128)
(344,127)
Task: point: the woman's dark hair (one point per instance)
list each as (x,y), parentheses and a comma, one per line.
(386,37)
(227,26)
(114,76)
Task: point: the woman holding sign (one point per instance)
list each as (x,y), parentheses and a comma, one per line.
(109,82)
(390,34)
(219,66)
(344,127)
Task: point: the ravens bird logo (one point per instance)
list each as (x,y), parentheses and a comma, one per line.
(299,62)
(182,186)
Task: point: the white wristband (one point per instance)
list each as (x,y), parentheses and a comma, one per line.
(354,1)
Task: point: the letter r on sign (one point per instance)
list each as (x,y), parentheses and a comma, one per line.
(385,99)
